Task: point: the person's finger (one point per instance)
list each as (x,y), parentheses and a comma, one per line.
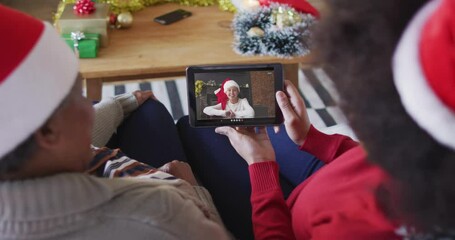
(137,94)
(164,168)
(141,96)
(285,106)
(149,94)
(224,130)
(295,99)
(244,129)
(276,129)
(146,94)
(248,128)
(261,130)
(182,162)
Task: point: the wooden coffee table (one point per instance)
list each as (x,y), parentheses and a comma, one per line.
(150,50)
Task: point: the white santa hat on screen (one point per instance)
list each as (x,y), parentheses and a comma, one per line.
(228,84)
(424,70)
(37,71)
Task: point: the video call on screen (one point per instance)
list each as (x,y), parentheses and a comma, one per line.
(258,87)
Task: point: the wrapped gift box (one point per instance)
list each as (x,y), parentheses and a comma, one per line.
(96,22)
(88,47)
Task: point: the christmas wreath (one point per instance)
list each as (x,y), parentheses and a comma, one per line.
(276,30)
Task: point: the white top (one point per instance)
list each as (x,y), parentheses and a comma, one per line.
(242,109)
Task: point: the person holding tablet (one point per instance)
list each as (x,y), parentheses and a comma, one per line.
(396,87)
(229,104)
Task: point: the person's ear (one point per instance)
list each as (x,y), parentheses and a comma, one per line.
(48,135)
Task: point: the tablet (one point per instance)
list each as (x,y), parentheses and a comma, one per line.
(234,95)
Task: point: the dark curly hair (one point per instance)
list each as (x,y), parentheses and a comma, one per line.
(356,40)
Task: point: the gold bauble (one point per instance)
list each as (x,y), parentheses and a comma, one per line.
(255,32)
(124,20)
(285,17)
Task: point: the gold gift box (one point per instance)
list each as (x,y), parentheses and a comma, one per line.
(96,22)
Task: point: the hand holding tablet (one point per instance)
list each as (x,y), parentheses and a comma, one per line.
(234,95)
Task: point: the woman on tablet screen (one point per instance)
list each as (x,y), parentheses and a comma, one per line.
(229,104)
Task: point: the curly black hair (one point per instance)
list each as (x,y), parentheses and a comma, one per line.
(356,40)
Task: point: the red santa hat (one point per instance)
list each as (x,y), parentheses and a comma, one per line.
(424,70)
(221,92)
(37,71)
(299,5)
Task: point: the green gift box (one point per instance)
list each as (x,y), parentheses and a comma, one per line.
(88,46)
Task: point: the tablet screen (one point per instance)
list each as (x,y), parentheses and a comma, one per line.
(225,95)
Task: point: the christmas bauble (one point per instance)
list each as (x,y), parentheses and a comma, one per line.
(124,20)
(285,17)
(112,19)
(255,32)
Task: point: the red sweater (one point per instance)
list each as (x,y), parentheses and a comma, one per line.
(337,202)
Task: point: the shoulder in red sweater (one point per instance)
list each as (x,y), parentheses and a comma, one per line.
(337,202)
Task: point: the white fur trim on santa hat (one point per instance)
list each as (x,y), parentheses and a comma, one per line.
(229,84)
(429,112)
(32,92)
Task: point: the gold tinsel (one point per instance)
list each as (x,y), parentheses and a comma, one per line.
(226,5)
(118,6)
